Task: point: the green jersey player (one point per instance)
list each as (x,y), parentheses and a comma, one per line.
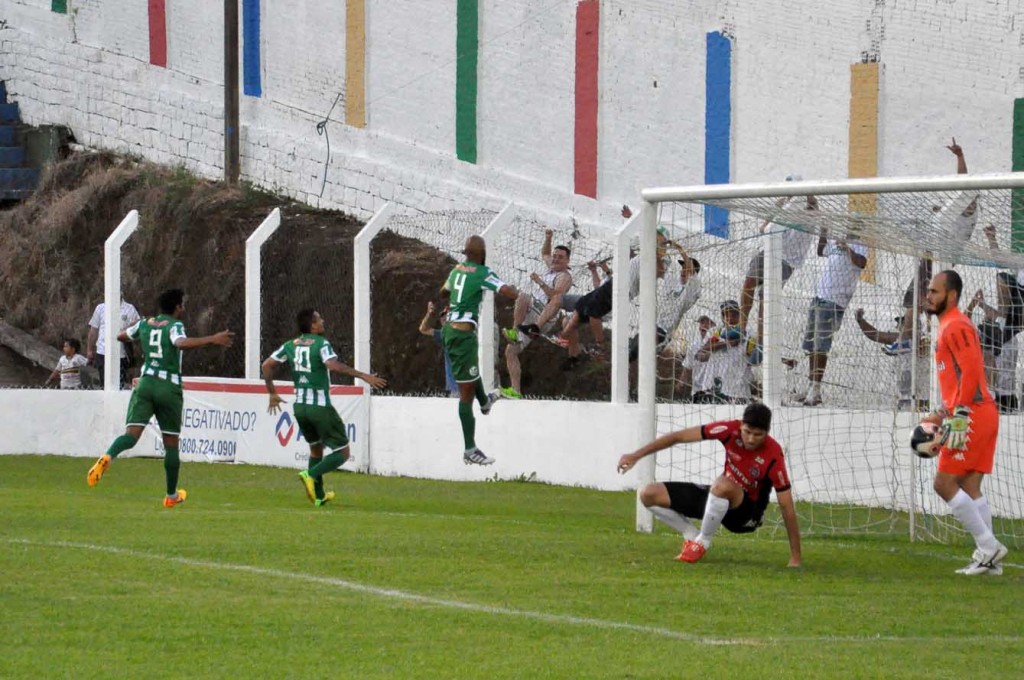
(158,392)
(312,359)
(464,290)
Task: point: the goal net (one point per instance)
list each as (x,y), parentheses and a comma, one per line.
(835,339)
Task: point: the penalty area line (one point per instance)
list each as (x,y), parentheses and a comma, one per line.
(395,594)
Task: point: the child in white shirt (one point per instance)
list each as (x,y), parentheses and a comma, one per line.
(69,366)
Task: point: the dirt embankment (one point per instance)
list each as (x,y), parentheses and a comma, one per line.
(192,235)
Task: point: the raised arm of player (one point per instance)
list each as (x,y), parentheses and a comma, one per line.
(686,436)
(224,339)
(789,518)
(371,379)
(507,291)
(425,323)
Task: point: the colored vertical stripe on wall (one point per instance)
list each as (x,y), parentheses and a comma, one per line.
(466,56)
(588,21)
(157,33)
(59,6)
(863,143)
(717,126)
(355,63)
(1017,195)
(251,81)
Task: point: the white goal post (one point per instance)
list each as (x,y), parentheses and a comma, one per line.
(848,453)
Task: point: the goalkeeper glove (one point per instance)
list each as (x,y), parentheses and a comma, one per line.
(956,429)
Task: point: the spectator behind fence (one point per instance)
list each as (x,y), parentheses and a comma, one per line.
(843,264)
(795,245)
(536,312)
(725,352)
(69,366)
(694,375)
(599,273)
(673,305)
(999,333)
(594,306)
(957,218)
(428,329)
(96,345)
(905,362)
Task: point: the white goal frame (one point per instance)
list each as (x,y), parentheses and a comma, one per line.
(772,301)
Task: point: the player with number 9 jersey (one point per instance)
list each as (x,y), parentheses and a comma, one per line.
(160,356)
(158,392)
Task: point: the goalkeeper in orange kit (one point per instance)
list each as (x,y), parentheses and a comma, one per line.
(969,422)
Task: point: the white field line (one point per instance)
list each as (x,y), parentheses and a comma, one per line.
(391,593)
(563,619)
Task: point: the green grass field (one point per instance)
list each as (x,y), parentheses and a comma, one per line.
(421,579)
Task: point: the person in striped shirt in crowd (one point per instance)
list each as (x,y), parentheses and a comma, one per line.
(158,391)
(69,366)
(312,360)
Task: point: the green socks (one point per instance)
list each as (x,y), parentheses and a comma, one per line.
(318,480)
(331,461)
(481,393)
(125,442)
(171,466)
(469,421)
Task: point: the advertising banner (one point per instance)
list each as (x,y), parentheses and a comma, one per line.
(226,420)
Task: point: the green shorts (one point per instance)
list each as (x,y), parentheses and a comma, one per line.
(321,425)
(463,352)
(160,398)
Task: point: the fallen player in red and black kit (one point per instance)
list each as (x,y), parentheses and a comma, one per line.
(754,464)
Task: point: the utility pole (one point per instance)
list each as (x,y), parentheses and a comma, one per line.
(231,162)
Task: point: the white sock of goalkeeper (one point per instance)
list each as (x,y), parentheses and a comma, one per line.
(981,503)
(714,513)
(964,510)
(678,522)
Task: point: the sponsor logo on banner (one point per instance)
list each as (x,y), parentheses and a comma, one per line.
(226,420)
(285,428)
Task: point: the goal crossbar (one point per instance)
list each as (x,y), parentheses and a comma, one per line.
(708,192)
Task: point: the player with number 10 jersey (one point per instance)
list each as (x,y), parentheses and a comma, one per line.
(308,355)
(312,359)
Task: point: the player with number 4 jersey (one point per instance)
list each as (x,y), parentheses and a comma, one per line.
(464,290)
(312,359)
(158,392)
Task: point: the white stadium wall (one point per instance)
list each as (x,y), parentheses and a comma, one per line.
(568,443)
(945,68)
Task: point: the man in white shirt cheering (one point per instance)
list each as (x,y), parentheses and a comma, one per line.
(844,262)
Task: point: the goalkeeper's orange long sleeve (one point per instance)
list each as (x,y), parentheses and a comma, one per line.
(960,362)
